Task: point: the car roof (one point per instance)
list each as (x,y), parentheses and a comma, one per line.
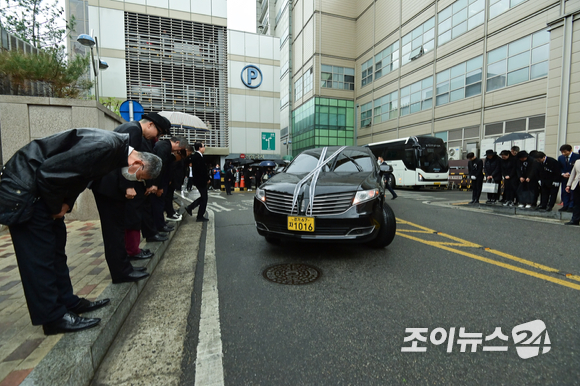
(332,149)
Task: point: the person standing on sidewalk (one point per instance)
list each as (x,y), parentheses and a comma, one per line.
(528,181)
(475,170)
(573,186)
(387,177)
(508,171)
(200,180)
(492,169)
(55,170)
(217,177)
(567,161)
(550,181)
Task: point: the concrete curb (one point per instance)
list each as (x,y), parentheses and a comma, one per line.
(553,214)
(75,358)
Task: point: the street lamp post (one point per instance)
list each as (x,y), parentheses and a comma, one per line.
(287,142)
(91,41)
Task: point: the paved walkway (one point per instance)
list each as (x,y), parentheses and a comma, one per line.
(22,344)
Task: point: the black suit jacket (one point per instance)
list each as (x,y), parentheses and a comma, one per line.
(200,173)
(114,185)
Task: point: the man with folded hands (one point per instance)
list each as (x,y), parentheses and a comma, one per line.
(54,171)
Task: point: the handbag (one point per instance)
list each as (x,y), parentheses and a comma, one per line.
(16,202)
(489,187)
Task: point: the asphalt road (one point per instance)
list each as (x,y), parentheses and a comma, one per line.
(447,268)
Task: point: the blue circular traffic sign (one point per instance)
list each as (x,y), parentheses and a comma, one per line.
(125,110)
(251,73)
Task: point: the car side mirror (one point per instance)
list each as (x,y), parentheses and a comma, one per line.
(385,169)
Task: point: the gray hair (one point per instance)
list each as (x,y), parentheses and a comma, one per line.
(152,163)
(181,139)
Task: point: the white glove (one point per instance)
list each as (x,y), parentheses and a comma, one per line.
(556,184)
(473,178)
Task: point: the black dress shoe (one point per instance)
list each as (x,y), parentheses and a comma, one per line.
(69,322)
(563,209)
(189,209)
(572,223)
(202,219)
(133,276)
(167,228)
(142,255)
(87,306)
(139,269)
(157,238)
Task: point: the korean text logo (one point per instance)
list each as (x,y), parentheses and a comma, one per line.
(530,339)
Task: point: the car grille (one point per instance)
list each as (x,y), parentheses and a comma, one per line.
(327,204)
(320,230)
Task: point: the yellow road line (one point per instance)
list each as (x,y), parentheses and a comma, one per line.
(464,243)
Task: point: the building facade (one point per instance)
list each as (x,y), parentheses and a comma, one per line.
(174,56)
(467,71)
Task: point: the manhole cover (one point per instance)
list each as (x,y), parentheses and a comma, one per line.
(292,274)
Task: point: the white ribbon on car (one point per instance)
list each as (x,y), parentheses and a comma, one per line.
(314,174)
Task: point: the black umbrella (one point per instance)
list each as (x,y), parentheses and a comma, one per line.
(513,137)
(268,163)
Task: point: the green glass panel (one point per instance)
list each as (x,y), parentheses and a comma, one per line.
(342,103)
(334,102)
(350,117)
(333,110)
(341,142)
(350,103)
(332,141)
(323,101)
(324,109)
(332,119)
(323,141)
(324,133)
(349,142)
(341,120)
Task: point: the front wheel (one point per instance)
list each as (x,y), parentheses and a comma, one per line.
(272,240)
(417,187)
(387,230)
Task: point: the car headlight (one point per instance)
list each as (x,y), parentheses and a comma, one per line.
(261,194)
(365,195)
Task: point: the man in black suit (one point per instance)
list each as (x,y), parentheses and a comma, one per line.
(200,180)
(475,167)
(112,192)
(56,170)
(550,181)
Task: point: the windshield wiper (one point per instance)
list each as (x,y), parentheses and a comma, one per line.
(359,168)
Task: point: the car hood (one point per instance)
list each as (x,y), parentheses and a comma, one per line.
(328,182)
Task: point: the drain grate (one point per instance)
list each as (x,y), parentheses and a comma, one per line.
(292,274)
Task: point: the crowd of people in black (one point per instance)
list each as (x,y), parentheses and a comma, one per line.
(132,174)
(526,177)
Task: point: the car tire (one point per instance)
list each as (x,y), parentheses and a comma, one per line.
(272,240)
(417,187)
(387,230)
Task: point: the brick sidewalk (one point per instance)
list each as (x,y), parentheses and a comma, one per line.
(22,345)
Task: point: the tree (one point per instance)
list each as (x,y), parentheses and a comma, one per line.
(37,22)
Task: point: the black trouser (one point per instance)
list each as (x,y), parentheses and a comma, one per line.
(201,201)
(148,228)
(389,187)
(476,187)
(549,194)
(576,212)
(509,189)
(39,245)
(169,201)
(113,230)
(216,183)
(228,187)
(189,183)
(157,208)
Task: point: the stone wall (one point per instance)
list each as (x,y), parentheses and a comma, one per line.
(23,119)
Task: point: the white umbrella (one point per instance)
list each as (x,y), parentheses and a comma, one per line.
(183,120)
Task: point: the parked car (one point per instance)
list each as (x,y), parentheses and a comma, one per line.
(340,198)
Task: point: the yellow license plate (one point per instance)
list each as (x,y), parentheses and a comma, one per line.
(301,223)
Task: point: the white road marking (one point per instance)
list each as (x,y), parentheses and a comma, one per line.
(209,368)
(218,208)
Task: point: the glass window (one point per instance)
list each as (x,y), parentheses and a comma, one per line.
(387,60)
(418,41)
(527,59)
(386,107)
(367,72)
(366,114)
(420,96)
(298,89)
(459,18)
(308,80)
(462,84)
(341,78)
(497,7)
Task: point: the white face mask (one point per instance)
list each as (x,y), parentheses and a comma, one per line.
(379,161)
(129,176)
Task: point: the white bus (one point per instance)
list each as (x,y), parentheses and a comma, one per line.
(416,161)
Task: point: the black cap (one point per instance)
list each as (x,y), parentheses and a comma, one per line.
(161,122)
(522,154)
(489,152)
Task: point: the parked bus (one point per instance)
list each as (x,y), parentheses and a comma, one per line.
(416,161)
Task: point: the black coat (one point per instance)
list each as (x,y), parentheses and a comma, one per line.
(493,167)
(59,167)
(163,150)
(114,185)
(527,169)
(200,173)
(475,168)
(550,171)
(508,167)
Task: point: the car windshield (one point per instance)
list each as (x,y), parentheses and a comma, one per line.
(348,161)
(434,160)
